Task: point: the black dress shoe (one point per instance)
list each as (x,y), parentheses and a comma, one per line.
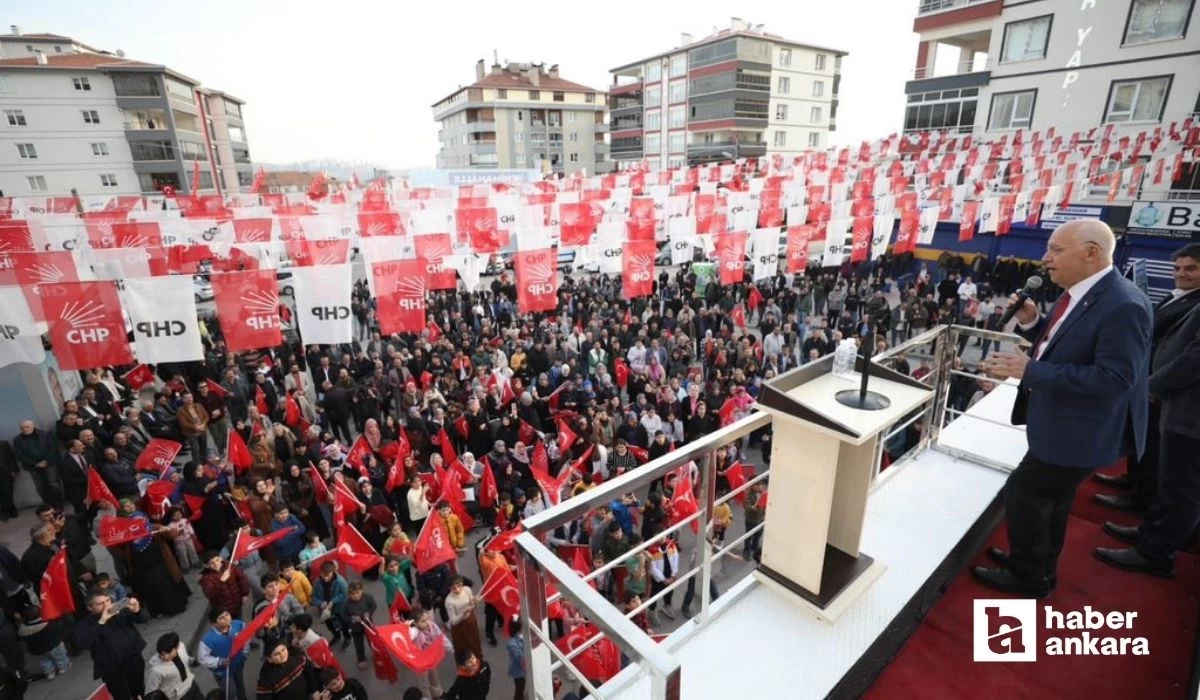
(1125,533)
(1116,502)
(1001,557)
(1120,481)
(1130,559)
(1005,580)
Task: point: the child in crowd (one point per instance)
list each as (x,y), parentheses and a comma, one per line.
(296,582)
(313,549)
(303,635)
(360,608)
(45,641)
(111,586)
(395,580)
(185,539)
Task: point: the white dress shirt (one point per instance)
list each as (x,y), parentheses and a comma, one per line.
(1077,292)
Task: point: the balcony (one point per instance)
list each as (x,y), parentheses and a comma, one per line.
(601,128)
(930,6)
(727,149)
(634,108)
(936,14)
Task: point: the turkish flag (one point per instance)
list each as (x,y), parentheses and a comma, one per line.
(461,427)
(537,279)
(452,495)
(505,540)
(578,465)
(56,595)
(343,500)
(385,669)
(401,290)
(966,225)
(248,308)
(600,661)
(502,592)
(432,547)
(731,256)
(114,530)
(98,490)
(637,268)
(322,656)
(330,251)
(320,488)
(87,327)
(100,693)
(576,223)
(379,223)
(488,492)
(260,401)
(139,377)
(354,551)
(395,477)
(237,453)
(216,389)
(397,639)
(566,437)
(158,456)
(195,505)
(291,411)
(433,249)
(525,433)
(357,457)
(640,226)
(400,605)
(755,298)
(736,475)
(246,544)
(863,228)
(738,316)
(260,620)
(683,502)
(477,225)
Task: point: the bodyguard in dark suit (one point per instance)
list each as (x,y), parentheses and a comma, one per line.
(1175,388)
(1142,474)
(1082,397)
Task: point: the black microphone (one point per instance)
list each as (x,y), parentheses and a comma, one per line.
(1032,284)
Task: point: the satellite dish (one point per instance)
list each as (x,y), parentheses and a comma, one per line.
(120,53)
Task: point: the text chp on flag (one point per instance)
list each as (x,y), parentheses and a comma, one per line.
(162,311)
(323,303)
(400,286)
(87,328)
(248,307)
(20,340)
(537,280)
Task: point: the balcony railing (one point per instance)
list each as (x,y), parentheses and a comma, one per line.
(929,6)
(962,68)
(144,126)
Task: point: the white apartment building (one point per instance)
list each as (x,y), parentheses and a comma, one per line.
(77,120)
(523,115)
(739,92)
(1002,65)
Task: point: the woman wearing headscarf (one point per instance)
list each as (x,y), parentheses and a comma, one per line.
(156,577)
(261,501)
(211,528)
(372,434)
(263,464)
(300,497)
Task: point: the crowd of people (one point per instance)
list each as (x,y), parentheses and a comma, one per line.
(594,389)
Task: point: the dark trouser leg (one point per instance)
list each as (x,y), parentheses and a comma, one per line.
(1143,473)
(518,689)
(8,509)
(48,484)
(1178,505)
(1037,502)
(491,616)
(360,651)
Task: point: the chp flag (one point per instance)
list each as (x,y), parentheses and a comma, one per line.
(248,307)
(400,287)
(87,328)
(115,530)
(537,279)
(637,268)
(797,248)
(323,304)
(20,340)
(764,243)
(731,256)
(158,456)
(162,311)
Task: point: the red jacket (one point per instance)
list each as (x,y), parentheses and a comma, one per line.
(225,595)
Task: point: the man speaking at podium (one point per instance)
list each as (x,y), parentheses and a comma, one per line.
(1083,399)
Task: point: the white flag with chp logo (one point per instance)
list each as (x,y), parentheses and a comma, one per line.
(162,313)
(836,246)
(323,304)
(20,340)
(764,247)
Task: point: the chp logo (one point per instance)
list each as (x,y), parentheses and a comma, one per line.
(330,313)
(262,309)
(539,274)
(1008,630)
(252,230)
(640,267)
(411,292)
(170,328)
(86,320)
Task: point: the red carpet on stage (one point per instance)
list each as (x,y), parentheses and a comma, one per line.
(936,662)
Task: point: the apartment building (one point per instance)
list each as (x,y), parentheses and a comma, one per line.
(76,119)
(739,92)
(1001,65)
(523,115)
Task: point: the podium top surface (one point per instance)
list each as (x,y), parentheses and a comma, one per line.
(820,411)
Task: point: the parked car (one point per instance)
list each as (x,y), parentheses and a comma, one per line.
(202,288)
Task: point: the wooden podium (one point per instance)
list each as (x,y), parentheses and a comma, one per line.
(822,457)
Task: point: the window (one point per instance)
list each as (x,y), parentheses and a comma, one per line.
(15,117)
(237,133)
(780,138)
(653,120)
(520,159)
(26,150)
(815,115)
(108,180)
(818,88)
(785,57)
(654,71)
(1156,20)
(520,137)
(678,65)
(677,117)
(589,97)
(819,62)
(1137,100)
(136,85)
(676,142)
(1026,40)
(574,137)
(574,158)
(1012,110)
(502,94)
(559,96)
(653,143)
(91,116)
(57,49)
(785,85)
(654,96)
(814,140)
(570,116)
(781,112)
(713,53)
(99,148)
(152,150)
(535,95)
(82,84)
(37,183)
(4,86)
(678,92)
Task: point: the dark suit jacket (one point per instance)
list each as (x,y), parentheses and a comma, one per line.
(1175,378)
(1085,402)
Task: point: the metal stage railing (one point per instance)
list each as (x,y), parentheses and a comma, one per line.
(540,567)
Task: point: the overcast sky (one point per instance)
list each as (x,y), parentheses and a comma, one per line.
(356,84)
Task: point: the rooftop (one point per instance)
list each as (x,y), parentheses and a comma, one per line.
(737,27)
(75,61)
(520,76)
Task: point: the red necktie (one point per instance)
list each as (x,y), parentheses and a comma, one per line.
(1056,314)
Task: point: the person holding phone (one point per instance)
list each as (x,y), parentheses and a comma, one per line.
(115,643)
